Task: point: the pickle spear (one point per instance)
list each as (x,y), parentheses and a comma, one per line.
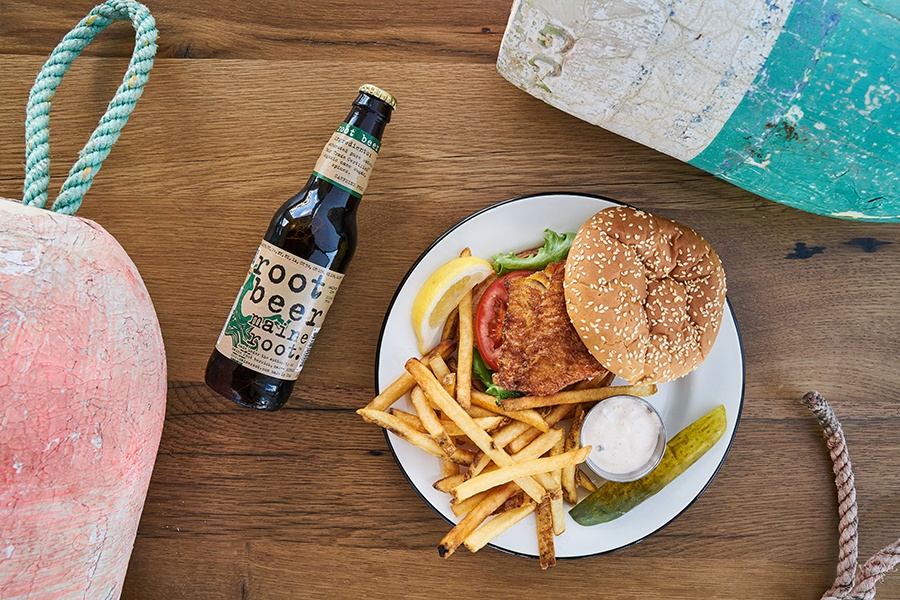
(612,499)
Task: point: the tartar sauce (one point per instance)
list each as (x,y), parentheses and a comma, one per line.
(624,433)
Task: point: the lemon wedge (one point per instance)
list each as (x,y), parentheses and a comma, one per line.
(440,294)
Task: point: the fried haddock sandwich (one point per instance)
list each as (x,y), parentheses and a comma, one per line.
(638,295)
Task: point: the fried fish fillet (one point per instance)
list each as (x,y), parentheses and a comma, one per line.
(541,352)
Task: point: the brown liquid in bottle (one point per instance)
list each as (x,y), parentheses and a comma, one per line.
(317,225)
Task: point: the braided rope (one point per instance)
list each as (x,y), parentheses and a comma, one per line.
(876,568)
(848,585)
(37,120)
(843,478)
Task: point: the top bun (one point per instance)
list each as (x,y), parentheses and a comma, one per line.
(645,294)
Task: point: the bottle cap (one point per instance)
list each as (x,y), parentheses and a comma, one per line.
(379,93)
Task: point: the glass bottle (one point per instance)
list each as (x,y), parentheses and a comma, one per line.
(299,265)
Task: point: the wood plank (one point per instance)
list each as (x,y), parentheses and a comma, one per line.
(308,502)
(274,570)
(260,133)
(342,30)
(265,523)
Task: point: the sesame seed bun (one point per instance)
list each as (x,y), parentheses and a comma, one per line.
(645,294)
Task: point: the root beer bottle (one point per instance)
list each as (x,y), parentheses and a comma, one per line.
(299,265)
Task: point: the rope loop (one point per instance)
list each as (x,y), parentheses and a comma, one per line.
(853,582)
(37,119)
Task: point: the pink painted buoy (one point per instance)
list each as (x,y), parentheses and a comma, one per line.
(82,403)
(82,362)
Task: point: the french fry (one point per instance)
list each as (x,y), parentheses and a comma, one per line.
(478,464)
(464,350)
(558,448)
(573,438)
(479,538)
(517,500)
(486,423)
(405,382)
(439,367)
(501,439)
(584,384)
(582,479)
(449,383)
(477,412)
(557,414)
(499,424)
(510,432)
(600,381)
(450,326)
(488,402)
(537,448)
(478,436)
(606,379)
(410,419)
(420,440)
(573,442)
(577,396)
(446,484)
(465,506)
(456,536)
(430,421)
(545,534)
(517,471)
(540,446)
(557,511)
(452,429)
(448,468)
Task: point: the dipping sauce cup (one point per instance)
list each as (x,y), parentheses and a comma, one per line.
(627,435)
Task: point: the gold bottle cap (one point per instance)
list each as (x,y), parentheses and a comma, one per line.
(377,92)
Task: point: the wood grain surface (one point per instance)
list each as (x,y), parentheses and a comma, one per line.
(308,502)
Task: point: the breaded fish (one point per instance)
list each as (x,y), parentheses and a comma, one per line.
(541,352)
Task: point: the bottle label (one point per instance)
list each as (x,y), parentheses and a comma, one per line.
(278,313)
(348,158)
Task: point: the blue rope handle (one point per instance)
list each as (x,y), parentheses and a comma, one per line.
(37,119)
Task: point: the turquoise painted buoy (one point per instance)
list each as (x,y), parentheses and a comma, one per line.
(795,100)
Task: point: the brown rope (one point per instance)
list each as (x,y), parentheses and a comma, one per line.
(849,584)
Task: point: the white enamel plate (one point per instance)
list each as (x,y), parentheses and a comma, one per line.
(517,225)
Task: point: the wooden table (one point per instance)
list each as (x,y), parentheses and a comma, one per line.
(307,502)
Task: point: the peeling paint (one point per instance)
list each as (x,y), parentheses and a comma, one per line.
(17,261)
(69,510)
(811,85)
(825,77)
(666,74)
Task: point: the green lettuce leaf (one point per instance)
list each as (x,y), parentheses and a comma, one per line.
(556,247)
(481,371)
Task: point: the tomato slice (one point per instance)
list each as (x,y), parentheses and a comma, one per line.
(489,318)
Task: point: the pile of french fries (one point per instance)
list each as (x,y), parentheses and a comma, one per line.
(500,460)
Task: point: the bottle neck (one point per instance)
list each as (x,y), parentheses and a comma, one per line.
(370,114)
(348,158)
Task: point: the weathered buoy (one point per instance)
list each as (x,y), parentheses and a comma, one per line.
(82,363)
(795,100)
(82,403)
